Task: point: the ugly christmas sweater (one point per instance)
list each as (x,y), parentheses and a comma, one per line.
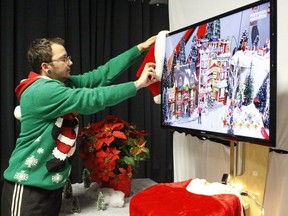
(49,123)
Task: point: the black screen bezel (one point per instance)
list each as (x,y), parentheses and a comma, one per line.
(273,83)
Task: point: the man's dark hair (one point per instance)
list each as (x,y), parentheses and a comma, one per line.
(40,51)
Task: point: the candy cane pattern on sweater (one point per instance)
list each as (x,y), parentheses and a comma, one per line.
(65,133)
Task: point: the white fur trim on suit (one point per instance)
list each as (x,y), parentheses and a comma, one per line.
(159,52)
(17,112)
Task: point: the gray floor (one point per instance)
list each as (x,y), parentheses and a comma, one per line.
(88,205)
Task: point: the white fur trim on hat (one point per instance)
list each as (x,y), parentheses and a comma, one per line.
(17,112)
(159,52)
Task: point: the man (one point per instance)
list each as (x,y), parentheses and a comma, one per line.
(50,101)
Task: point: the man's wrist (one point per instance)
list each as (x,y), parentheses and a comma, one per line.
(141,48)
(137,85)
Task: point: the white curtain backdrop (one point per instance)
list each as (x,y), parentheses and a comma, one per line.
(194,158)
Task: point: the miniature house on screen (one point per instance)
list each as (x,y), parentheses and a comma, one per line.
(219,86)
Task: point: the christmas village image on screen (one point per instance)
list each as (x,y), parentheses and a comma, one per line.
(216,76)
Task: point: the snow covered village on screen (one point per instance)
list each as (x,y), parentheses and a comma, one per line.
(216,75)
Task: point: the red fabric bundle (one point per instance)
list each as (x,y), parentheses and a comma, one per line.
(172,199)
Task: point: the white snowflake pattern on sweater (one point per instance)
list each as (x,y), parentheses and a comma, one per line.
(40,150)
(38,139)
(31,161)
(21,176)
(57,178)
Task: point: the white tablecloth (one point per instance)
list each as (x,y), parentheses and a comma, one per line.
(88,206)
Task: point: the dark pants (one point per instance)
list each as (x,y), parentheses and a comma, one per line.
(23,200)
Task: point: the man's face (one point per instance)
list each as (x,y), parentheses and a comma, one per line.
(60,64)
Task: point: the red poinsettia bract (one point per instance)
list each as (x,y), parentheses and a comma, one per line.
(111,149)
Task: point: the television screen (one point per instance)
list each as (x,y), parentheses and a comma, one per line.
(219,76)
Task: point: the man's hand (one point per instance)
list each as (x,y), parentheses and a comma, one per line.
(148,76)
(144,46)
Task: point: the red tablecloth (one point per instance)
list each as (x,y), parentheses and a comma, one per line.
(172,199)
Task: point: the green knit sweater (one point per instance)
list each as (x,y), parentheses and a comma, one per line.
(45,100)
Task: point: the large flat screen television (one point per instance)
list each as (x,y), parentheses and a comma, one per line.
(219,76)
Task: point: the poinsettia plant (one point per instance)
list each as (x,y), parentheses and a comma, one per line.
(111,149)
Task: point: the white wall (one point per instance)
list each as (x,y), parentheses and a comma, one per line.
(185,12)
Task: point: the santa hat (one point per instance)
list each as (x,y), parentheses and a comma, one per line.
(156,54)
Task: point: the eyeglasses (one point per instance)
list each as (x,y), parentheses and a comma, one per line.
(65,59)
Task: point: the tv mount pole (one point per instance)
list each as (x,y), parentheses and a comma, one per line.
(232,162)
(237,160)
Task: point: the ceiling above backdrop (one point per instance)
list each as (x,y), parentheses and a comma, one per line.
(152,2)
